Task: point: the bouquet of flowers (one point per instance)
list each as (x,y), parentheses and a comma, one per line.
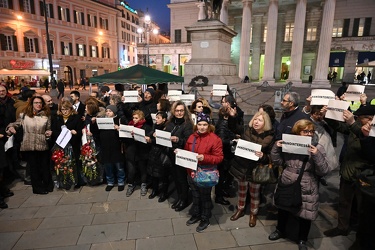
(91,168)
(64,166)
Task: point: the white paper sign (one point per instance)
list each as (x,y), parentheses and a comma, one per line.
(353,92)
(84,138)
(372,130)
(9,144)
(187,99)
(163,138)
(105,123)
(186,159)
(174,95)
(194,118)
(64,137)
(125,131)
(321,96)
(153,116)
(336,108)
(296,144)
(247,149)
(219,90)
(131,96)
(139,135)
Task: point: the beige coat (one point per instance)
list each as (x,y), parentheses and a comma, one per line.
(34,129)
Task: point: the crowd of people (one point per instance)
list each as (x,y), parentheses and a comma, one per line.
(194,128)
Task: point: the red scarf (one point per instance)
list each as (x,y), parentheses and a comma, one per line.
(139,124)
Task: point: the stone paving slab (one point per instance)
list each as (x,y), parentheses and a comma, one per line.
(87,197)
(103,233)
(339,243)
(285,245)
(48,238)
(115,245)
(63,210)
(108,218)
(179,226)
(147,229)
(214,240)
(180,242)
(37,200)
(156,214)
(8,240)
(109,207)
(67,221)
(19,225)
(226,224)
(252,236)
(146,204)
(79,247)
(18,213)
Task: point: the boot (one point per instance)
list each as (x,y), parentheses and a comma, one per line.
(238,214)
(253,220)
(153,194)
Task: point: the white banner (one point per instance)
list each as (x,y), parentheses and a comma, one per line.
(372,130)
(84,138)
(163,138)
(64,137)
(131,96)
(125,131)
(353,92)
(139,135)
(9,144)
(296,144)
(321,96)
(336,108)
(187,99)
(194,118)
(247,149)
(153,116)
(219,90)
(105,123)
(174,95)
(186,159)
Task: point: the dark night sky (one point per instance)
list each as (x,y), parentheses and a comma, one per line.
(157,9)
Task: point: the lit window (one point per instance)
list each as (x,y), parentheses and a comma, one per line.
(311,33)
(265,34)
(4,4)
(94,53)
(80,50)
(9,43)
(30,43)
(289,27)
(361,27)
(337,28)
(27,6)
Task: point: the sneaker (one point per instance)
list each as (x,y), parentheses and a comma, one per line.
(193,220)
(143,189)
(275,235)
(202,225)
(130,190)
(121,188)
(108,188)
(333,232)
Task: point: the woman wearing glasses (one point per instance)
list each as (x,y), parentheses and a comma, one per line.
(36,122)
(181,127)
(316,167)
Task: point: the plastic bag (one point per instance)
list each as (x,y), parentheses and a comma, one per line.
(91,168)
(65,166)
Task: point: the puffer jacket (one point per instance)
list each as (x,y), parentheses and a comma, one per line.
(34,129)
(242,168)
(317,166)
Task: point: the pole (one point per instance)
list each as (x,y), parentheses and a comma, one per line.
(148,47)
(49,50)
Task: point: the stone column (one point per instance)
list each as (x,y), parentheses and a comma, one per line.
(201,13)
(269,59)
(256,44)
(224,12)
(297,44)
(324,50)
(279,42)
(245,39)
(350,65)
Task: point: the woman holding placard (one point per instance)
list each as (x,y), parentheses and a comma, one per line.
(313,166)
(258,131)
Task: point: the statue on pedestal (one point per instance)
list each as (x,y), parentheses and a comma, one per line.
(212,8)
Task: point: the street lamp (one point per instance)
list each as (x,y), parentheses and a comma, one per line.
(147,29)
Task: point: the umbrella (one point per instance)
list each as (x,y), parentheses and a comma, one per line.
(137,74)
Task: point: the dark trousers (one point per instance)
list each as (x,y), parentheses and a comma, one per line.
(156,181)
(179,175)
(135,166)
(347,193)
(41,178)
(60,94)
(304,225)
(366,227)
(202,203)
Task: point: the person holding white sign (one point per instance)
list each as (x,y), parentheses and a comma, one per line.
(209,148)
(258,131)
(316,166)
(137,155)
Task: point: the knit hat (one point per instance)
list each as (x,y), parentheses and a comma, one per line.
(202,117)
(151,91)
(365,110)
(113,108)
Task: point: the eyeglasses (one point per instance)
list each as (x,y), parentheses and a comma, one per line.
(179,110)
(305,131)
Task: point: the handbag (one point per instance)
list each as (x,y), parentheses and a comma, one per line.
(290,195)
(264,174)
(205,176)
(18,136)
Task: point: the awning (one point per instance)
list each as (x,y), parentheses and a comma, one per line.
(364,57)
(367,64)
(337,59)
(24,72)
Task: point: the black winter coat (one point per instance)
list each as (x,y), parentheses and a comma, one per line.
(287,121)
(7,116)
(226,135)
(110,145)
(137,151)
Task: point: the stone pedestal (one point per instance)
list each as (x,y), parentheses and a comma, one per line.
(210,55)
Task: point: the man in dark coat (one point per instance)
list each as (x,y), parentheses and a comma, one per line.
(60,88)
(77,104)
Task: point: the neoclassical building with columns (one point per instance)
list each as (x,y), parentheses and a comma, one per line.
(291,40)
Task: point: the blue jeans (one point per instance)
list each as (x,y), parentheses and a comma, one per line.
(109,173)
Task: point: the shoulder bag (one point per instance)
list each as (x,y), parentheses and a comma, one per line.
(290,195)
(264,174)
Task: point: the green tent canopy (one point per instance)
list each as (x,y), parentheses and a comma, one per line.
(136,74)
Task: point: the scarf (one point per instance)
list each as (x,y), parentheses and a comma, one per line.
(139,124)
(179,121)
(66,117)
(4,100)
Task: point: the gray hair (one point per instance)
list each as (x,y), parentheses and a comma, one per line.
(294,98)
